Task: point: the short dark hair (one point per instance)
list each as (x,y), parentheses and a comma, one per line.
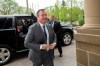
(39,11)
(53,16)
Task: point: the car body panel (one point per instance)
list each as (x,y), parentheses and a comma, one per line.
(15,39)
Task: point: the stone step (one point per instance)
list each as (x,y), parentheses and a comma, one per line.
(89,31)
(88,38)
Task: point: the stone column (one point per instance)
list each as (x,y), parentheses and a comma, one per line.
(88,37)
(92,13)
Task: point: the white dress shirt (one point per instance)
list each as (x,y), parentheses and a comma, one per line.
(46,33)
(53,24)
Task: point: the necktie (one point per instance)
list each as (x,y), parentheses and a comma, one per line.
(45,35)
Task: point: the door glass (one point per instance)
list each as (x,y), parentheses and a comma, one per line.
(5,23)
(2,20)
(8,23)
(22,25)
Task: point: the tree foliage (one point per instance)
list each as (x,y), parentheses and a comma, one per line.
(9,7)
(67,12)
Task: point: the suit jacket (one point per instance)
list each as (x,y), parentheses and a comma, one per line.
(57,29)
(35,38)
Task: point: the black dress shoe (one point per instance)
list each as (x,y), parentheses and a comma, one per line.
(60,55)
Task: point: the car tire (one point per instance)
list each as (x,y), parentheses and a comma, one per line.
(5,54)
(67,39)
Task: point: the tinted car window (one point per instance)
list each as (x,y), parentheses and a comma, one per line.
(23,24)
(2,21)
(8,23)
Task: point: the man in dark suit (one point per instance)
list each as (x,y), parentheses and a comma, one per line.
(41,41)
(58,30)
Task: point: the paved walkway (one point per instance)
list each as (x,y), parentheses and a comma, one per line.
(68,59)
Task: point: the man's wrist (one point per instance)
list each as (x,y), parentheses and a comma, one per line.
(40,46)
(54,43)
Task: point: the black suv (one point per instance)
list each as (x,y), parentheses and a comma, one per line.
(13,30)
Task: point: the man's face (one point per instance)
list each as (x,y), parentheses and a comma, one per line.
(42,17)
(51,19)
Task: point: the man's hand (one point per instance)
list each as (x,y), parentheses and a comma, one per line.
(45,46)
(52,46)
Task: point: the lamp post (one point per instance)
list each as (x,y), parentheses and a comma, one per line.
(63,3)
(71,11)
(27,6)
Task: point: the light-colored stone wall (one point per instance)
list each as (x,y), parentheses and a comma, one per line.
(88,54)
(88,37)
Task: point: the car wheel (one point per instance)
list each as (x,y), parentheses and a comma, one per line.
(5,54)
(67,39)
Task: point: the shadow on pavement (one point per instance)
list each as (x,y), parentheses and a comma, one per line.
(18,56)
